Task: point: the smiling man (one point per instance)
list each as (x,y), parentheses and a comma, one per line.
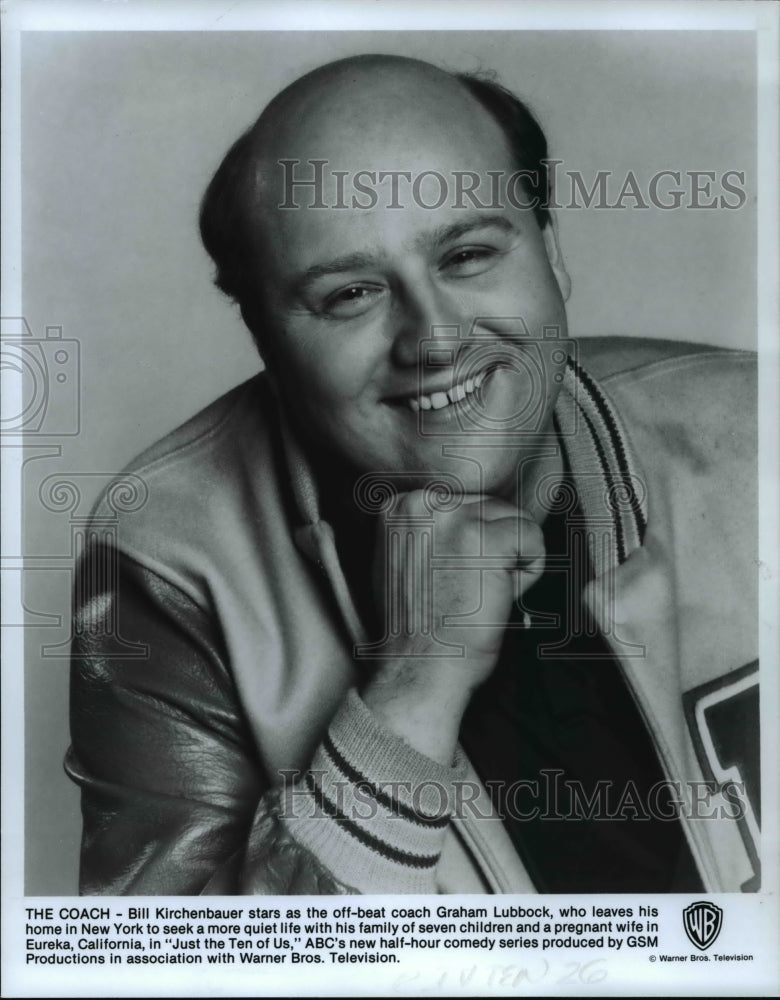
(428,608)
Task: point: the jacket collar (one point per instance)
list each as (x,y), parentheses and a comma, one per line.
(604,468)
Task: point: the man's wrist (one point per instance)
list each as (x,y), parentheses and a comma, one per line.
(371,808)
(421,699)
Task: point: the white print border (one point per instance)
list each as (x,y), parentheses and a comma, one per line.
(391,945)
(756,917)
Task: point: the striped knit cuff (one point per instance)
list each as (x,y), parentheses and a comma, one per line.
(372,809)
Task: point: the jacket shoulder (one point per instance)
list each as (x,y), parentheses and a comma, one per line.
(200,433)
(196,487)
(685,401)
(605,357)
(674,384)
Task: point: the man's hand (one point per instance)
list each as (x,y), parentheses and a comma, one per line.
(416,691)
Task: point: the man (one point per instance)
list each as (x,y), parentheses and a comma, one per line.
(427,607)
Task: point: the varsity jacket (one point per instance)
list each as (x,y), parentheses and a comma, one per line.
(218,735)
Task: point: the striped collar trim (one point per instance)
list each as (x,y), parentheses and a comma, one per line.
(610,487)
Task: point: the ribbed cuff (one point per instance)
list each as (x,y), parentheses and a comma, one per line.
(371,808)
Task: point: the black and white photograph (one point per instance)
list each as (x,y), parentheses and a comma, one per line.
(390,499)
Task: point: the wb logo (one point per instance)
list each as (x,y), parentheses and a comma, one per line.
(702,923)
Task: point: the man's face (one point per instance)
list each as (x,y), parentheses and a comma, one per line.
(352,296)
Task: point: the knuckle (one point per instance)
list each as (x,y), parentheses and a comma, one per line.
(410,504)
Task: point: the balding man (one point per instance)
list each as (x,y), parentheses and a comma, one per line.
(437,602)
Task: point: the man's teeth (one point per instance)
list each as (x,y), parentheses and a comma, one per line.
(438,400)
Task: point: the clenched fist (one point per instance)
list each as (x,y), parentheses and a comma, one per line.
(446,581)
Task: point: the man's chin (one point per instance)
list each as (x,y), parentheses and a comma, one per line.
(442,479)
(370,477)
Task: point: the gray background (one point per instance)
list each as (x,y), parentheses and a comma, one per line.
(122,131)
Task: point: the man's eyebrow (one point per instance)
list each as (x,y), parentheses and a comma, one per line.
(337,265)
(364,260)
(457,229)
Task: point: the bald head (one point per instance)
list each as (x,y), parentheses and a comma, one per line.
(362,97)
(371,113)
(373,83)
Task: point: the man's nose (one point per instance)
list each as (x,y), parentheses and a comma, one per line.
(418,309)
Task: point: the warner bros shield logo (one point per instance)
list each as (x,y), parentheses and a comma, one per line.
(702,922)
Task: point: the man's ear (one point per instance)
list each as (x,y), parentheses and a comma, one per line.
(550,235)
(253,322)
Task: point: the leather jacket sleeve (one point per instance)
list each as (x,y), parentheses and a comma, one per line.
(174,798)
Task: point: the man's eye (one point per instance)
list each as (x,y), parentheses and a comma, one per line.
(350,301)
(470,260)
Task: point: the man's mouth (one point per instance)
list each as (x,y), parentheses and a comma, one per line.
(439,400)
